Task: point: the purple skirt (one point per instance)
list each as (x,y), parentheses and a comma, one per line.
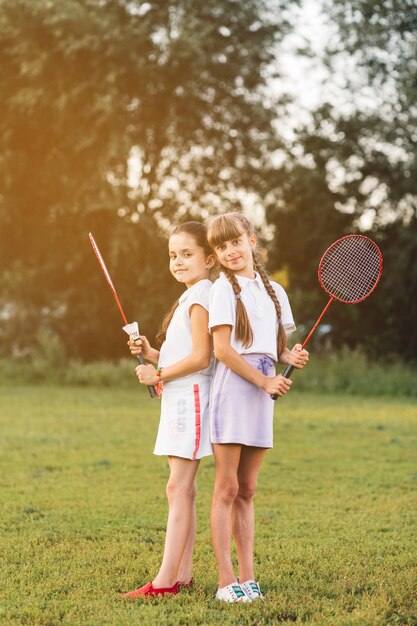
(241,412)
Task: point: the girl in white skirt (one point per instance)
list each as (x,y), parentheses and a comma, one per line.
(184,367)
(249,316)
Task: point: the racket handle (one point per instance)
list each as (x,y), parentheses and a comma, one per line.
(151,389)
(287,374)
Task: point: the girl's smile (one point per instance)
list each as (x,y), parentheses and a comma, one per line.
(236,254)
(187,261)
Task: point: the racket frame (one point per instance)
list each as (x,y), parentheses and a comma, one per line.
(141,360)
(333,245)
(290,368)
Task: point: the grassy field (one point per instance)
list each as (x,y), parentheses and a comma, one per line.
(83,513)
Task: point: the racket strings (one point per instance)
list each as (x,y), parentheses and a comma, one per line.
(351,268)
(357,279)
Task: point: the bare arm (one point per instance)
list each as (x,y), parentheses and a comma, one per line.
(226,354)
(198,359)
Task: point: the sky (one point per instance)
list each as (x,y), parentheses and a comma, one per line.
(304,77)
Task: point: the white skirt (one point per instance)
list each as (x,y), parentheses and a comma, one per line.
(184,426)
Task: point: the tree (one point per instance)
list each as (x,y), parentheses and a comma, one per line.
(303,210)
(121,117)
(380,137)
(355,168)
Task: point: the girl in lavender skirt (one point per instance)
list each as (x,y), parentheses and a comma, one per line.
(249,317)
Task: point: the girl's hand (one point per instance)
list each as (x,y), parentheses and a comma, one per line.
(298,357)
(140,346)
(146,374)
(277,385)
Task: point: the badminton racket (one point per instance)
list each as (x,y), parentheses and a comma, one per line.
(348,271)
(152,391)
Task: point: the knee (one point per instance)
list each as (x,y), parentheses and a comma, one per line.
(176,489)
(226,491)
(247,490)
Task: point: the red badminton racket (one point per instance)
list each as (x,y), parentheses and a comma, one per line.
(152,391)
(348,271)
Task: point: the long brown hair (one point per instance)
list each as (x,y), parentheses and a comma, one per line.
(198,231)
(231,226)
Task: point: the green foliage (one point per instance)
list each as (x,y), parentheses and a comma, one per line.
(352,372)
(38,369)
(123,117)
(84,511)
(87,86)
(306,223)
(354,167)
(345,371)
(380,38)
(389,321)
(50,352)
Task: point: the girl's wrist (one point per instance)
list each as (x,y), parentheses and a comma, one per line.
(263,382)
(159,385)
(284,357)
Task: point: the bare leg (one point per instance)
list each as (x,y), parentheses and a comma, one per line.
(227,458)
(186,565)
(180,493)
(243,510)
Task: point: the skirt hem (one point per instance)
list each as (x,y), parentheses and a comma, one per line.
(258,444)
(184,456)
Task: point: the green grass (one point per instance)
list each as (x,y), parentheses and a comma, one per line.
(83,513)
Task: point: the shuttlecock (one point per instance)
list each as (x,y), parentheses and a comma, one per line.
(132,330)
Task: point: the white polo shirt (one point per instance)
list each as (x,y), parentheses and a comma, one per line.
(260,309)
(178,342)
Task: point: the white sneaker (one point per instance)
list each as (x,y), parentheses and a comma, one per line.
(232,593)
(251,589)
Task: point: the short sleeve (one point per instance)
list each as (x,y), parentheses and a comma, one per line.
(222,308)
(200,296)
(286,313)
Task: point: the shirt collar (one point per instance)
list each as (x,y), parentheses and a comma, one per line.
(187,292)
(252,282)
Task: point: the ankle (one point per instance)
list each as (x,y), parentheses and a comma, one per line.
(160,582)
(246,577)
(227,580)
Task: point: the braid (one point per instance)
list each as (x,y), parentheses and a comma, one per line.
(243,329)
(282,338)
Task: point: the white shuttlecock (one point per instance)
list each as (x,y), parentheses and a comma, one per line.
(132,330)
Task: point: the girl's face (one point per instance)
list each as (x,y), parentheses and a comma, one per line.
(236,254)
(187,260)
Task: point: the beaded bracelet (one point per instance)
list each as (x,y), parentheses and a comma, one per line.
(159,387)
